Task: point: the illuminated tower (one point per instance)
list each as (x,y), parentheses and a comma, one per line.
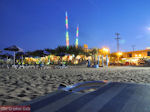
(77,35)
(67,33)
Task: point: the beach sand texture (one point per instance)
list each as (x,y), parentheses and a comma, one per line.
(20,85)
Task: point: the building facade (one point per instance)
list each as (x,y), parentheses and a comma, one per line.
(133,54)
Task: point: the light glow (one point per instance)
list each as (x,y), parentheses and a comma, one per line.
(105,49)
(119,53)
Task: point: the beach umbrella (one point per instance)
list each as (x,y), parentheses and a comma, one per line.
(7,55)
(13,48)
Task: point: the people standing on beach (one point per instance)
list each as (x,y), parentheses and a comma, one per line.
(107,60)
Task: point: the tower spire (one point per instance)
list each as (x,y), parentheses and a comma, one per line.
(67,32)
(77,35)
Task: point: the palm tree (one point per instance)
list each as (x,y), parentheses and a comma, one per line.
(93,52)
(72,50)
(13,48)
(61,49)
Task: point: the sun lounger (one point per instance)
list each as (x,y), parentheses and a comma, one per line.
(107,97)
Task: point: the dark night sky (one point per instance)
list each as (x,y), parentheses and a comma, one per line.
(39,24)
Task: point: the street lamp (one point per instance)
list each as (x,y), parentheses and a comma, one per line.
(119,54)
(105,50)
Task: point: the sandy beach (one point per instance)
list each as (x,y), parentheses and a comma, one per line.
(20,85)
